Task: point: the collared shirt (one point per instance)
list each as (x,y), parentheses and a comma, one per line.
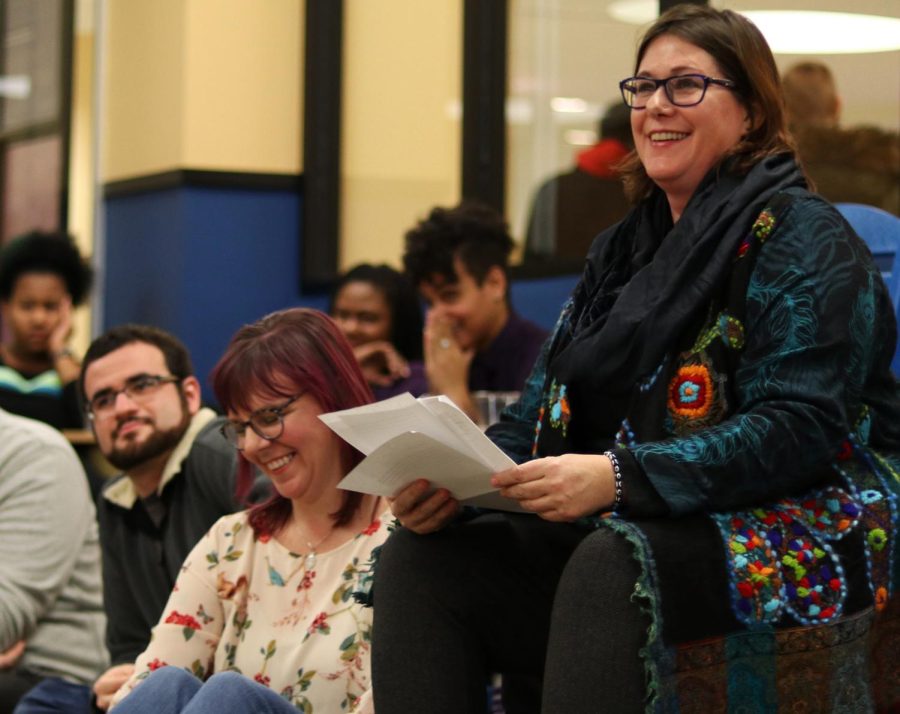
(123,493)
(145,541)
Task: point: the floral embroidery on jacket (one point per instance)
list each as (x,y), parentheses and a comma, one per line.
(782,560)
(537,431)
(865,473)
(725,327)
(762,228)
(731,330)
(558,404)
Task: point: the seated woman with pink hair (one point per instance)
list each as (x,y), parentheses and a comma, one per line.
(263,617)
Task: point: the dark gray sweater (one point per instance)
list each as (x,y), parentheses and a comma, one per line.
(140,558)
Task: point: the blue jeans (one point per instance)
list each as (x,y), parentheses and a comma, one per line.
(170,690)
(56,696)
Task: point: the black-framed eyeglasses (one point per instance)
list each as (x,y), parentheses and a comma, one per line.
(683,90)
(266,423)
(137,388)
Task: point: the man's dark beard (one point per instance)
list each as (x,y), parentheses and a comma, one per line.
(158,443)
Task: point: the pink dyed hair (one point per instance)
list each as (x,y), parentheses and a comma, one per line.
(280,356)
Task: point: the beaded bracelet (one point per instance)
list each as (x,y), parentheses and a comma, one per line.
(617,475)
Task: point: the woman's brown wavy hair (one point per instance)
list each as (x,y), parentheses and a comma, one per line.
(743,56)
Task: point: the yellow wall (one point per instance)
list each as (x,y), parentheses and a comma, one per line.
(81,169)
(81,194)
(242,88)
(143,87)
(202,84)
(217,84)
(401,147)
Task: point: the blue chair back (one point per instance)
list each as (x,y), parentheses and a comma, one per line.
(881,232)
(894,286)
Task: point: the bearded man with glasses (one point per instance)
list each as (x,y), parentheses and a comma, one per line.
(144,405)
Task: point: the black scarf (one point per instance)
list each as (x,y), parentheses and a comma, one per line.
(646,281)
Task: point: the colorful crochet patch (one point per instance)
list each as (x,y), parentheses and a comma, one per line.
(691,392)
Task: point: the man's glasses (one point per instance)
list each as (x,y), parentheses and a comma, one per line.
(683,90)
(266,423)
(137,388)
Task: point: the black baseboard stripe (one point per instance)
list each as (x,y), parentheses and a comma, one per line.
(180,178)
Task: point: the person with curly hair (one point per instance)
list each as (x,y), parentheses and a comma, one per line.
(458,258)
(42,277)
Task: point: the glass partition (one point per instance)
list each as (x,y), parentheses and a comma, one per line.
(566,58)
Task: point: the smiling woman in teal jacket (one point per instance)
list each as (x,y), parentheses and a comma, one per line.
(710,440)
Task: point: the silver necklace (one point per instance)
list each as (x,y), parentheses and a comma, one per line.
(310,560)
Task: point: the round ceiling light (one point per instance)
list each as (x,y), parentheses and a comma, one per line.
(634,12)
(817,33)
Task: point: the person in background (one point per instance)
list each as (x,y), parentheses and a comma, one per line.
(263,616)
(42,277)
(378,311)
(859,164)
(570,209)
(708,449)
(51,609)
(458,258)
(144,405)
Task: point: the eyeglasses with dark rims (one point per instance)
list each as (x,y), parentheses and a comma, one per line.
(138,388)
(682,90)
(266,423)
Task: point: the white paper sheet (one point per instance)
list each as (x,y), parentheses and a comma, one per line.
(405,439)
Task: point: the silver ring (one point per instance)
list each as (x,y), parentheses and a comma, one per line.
(444,343)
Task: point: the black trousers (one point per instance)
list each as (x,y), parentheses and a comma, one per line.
(476,598)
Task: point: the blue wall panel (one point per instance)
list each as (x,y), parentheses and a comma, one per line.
(201,262)
(541,299)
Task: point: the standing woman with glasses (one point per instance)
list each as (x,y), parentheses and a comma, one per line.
(265,615)
(710,442)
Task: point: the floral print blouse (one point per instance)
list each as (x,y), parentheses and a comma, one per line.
(247,604)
